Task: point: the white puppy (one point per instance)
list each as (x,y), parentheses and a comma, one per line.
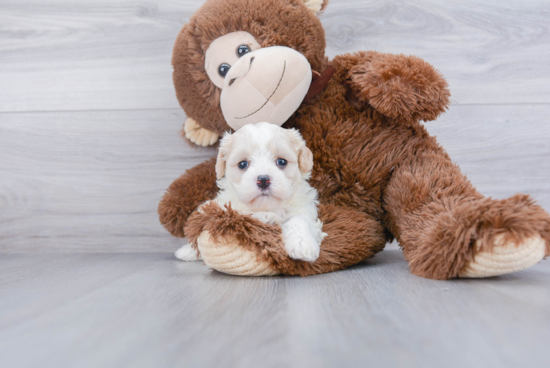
(262,170)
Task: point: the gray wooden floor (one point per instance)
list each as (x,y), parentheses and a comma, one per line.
(89,141)
(149,310)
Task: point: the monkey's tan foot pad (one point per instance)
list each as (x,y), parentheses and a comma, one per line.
(505,257)
(228,257)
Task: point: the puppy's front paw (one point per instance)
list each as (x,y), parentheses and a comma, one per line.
(302,246)
(267,217)
(300,242)
(188,254)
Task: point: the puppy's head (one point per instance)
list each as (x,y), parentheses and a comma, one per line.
(263,164)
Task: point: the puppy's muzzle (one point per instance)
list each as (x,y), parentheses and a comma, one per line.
(263,182)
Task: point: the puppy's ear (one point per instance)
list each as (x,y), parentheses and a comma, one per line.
(225,147)
(305,157)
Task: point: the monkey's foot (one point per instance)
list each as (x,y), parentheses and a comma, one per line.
(504,257)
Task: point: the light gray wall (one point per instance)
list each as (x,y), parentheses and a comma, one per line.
(89,121)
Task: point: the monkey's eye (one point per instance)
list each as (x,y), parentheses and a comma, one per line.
(223,69)
(281,162)
(243,49)
(243,165)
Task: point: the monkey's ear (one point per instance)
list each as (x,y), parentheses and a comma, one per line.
(197,134)
(316,6)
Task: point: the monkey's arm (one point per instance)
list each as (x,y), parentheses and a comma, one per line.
(398,86)
(185,194)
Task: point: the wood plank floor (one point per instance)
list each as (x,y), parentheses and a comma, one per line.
(149,310)
(89,140)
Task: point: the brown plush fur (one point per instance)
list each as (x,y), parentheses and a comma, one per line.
(398,86)
(378,172)
(354,237)
(175,207)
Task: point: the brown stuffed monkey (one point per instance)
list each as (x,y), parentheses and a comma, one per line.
(379,174)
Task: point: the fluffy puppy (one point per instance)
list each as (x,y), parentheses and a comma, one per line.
(262,170)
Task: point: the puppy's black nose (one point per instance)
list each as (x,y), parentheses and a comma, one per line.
(263,182)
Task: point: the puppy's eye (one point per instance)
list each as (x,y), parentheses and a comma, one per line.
(223,69)
(281,162)
(243,165)
(242,50)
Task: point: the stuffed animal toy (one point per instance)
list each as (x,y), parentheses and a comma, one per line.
(379,174)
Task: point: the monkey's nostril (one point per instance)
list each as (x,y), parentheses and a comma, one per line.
(251,60)
(231,81)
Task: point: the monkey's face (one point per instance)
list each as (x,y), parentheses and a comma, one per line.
(257,84)
(239,62)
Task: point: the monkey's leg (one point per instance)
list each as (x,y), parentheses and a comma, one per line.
(447,229)
(242,245)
